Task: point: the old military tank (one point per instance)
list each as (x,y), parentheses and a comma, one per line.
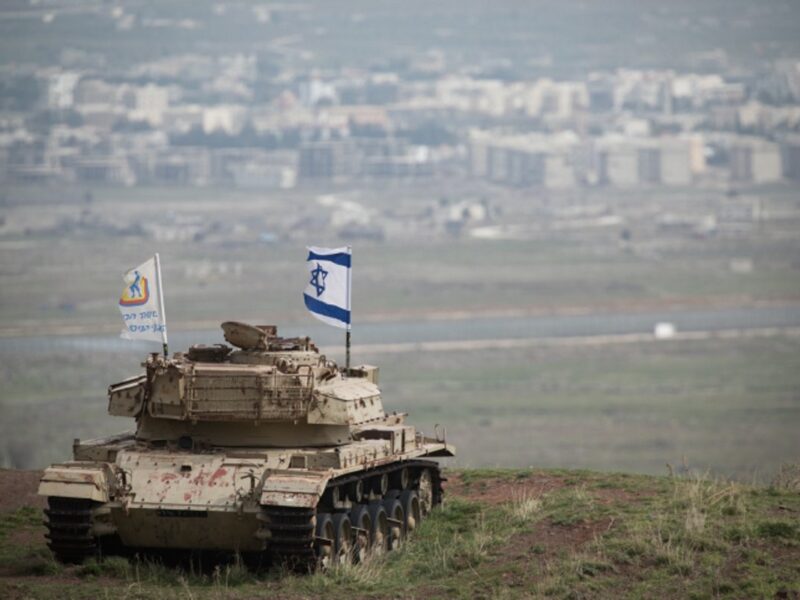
(266,449)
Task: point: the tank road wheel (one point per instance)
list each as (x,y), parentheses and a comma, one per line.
(413,512)
(380,484)
(401,479)
(325,542)
(355,491)
(336,495)
(343,547)
(362,533)
(380,528)
(69,529)
(425,491)
(396,518)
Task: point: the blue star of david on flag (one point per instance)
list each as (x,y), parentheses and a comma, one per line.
(318,276)
(327,293)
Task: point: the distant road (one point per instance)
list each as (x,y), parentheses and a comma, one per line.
(583,340)
(410,333)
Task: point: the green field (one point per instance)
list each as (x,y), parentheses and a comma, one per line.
(731,406)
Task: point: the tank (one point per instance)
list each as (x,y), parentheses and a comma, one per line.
(263,447)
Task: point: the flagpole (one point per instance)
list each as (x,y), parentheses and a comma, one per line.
(161,307)
(350,308)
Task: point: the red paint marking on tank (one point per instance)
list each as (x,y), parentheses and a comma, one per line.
(221,472)
(187,496)
(200,479)
(167,477)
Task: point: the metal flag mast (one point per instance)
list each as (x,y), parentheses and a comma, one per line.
(161,307)
(328,291)
(350,309)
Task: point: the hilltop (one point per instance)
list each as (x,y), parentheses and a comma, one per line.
(501,534)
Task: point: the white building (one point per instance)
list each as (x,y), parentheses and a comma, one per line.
(755,160)
(524,160)
(151,103)
(61,90)
(617,162)
(676,157)
(791,157)
(559,171)
(228,119)
(628,162)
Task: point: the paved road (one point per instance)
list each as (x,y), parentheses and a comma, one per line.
(445,330)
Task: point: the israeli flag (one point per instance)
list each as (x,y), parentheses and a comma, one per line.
(327,294)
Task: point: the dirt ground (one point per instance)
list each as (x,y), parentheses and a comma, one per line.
(18,489)
(555,554)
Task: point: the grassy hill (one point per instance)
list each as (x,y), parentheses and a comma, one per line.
(501,534)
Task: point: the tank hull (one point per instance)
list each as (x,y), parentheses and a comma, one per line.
(232,500)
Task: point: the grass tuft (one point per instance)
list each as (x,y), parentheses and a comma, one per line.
(669,552)
(233,575)
(778,529)
(571,506)
(788,477)
(524,505)
(112,566)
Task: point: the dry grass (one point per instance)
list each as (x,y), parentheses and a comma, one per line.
(525,505)
(671,552)
(788,477)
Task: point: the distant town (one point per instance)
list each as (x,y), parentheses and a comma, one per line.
(200,120)
(277,119)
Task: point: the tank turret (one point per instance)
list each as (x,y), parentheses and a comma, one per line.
(281,451)
(269,391)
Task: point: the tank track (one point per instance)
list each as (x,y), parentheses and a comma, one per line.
(291,540)
(69,529)
(291,530)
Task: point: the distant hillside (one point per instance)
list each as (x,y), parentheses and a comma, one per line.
(501,534)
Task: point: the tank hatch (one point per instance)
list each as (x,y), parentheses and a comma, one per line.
(256,339)
(248,337)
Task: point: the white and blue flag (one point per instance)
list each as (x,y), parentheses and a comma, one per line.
(327,294)
(142,303)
